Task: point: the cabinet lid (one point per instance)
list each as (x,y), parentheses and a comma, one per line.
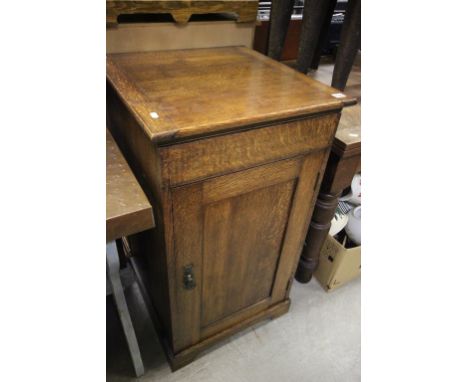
(181,94)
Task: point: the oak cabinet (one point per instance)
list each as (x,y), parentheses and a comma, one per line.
(230,148)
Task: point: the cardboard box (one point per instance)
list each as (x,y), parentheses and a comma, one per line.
(337,265)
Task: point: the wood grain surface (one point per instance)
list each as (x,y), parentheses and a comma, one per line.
(232,167)
(181,10)
(127,208)
(195,92)
(233,230)
(348,135)
(202,158)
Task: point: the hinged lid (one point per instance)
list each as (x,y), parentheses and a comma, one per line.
(187,93)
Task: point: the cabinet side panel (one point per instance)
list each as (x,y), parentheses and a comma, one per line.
(144,161)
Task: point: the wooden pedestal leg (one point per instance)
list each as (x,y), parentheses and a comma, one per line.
(323,34)
(113,273)
(312,20)
(341,167)
(349,44)
(324,210)
(279,21)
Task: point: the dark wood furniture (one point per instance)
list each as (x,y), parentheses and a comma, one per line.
(315,24)
(230,147)
(313,18)
(324,31)
(302,39)
(181,10)
(127,212)
(350,41)
(280,17)
(291,40)
(343,163)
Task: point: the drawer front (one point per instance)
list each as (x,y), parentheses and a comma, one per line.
(196,160)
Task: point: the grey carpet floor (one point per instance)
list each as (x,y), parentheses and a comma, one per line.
(318,340)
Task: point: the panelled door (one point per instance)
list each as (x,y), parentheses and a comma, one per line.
(237,239)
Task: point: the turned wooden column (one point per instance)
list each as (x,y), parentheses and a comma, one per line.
(343,163)
(312,21)
(280,15)
(324,210)
(350,41)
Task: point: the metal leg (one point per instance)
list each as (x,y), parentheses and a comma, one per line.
(113,274)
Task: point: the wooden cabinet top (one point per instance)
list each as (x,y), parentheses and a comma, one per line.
(128,211)
(181,94)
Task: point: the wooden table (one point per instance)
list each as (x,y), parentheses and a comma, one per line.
(230,147)
(127,212)
(343,163)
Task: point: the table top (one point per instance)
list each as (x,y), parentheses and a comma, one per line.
(348,135)
(182,94)
(128,211)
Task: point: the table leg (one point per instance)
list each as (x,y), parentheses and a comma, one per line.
(279,21)
(323,34)
(339,173)
(312,20)
(349,44)
(113,273)
(324,210)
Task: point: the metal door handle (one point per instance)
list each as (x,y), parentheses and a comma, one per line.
(189,279)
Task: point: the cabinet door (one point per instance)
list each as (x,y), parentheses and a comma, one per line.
(238,237)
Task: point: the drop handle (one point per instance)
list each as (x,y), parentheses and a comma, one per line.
(189,279)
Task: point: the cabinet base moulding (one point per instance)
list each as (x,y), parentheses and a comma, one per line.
(186,356)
